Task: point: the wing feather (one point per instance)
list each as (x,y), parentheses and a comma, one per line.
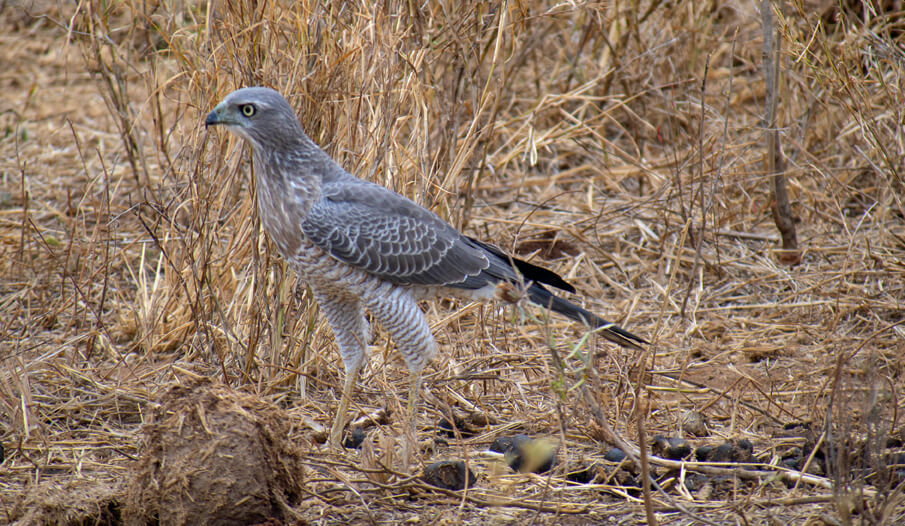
(387,235)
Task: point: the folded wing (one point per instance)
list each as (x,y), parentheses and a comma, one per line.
(371,228)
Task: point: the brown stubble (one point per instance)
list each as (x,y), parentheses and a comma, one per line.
(132,257)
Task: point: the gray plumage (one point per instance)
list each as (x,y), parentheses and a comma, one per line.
(361,246)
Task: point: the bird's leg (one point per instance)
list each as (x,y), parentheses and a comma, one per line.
(339,421)
(410,443)
(396,309)
(345,315)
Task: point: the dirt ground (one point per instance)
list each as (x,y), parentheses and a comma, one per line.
(131,264)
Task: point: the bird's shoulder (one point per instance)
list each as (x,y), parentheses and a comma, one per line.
(364,195)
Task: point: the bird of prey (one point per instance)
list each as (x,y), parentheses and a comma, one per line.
(360,246)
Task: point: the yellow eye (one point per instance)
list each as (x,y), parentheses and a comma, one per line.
(247,109)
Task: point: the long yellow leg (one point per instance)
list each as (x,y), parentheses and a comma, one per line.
(410,442)
(339,421)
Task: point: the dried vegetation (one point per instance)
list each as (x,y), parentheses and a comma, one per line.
(620,144)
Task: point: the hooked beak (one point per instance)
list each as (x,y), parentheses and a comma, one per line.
(213,118)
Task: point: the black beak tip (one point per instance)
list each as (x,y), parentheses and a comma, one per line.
(211,120)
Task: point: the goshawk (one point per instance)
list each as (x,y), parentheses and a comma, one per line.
(360,246)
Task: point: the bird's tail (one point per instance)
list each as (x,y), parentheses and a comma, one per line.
(538,295)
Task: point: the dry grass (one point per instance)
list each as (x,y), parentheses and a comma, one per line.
(618,144)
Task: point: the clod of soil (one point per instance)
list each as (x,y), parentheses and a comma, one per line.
(585,474)
(354,439)
(615,455)
(214,456)
(694,423)
(75,501)
(731,451)
(448,474)
(467,425)
(673,448)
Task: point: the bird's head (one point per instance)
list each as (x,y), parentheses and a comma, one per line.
(259,115)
